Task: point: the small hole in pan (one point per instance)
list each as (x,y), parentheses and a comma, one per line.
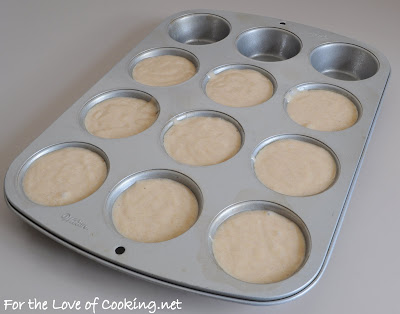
(282,23)
(120,250)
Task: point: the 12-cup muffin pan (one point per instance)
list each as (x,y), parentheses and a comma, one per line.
(294,57)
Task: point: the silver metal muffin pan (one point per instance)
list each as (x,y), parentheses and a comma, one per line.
(295,57)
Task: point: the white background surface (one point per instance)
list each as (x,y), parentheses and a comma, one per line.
(53,51)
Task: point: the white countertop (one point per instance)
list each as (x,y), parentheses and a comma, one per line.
(54,51)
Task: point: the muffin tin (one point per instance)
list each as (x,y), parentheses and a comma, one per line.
(294,57)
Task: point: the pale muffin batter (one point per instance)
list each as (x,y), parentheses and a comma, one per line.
(64,176)
(322,110)
(155,210)
(202,141)
(295,168)
(259,247)
(120,117)
(239,88)
(163,70)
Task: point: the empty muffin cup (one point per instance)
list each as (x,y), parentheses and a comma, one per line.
(344,61)
(199,29)
(268,44)
(259,242)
